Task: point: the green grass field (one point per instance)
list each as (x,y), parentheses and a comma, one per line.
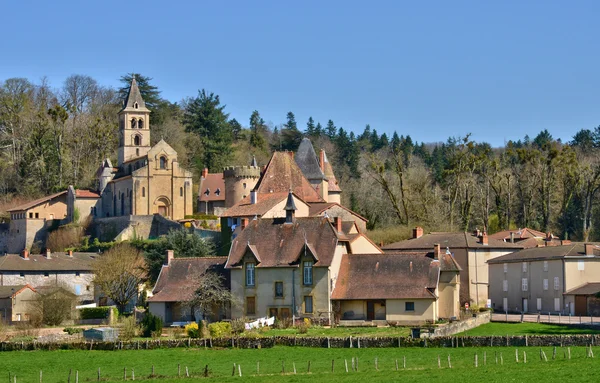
(421,365)
(500,329)
(342,332)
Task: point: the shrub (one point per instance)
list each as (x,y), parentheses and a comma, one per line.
(73,330)
(282,323)
(95,312)
(64,237)
(151,326)
(238,326)
(192,330)
(219,329)
(302,327)
(129,328)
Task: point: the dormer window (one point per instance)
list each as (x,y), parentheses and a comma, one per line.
(207,192)
(218,192)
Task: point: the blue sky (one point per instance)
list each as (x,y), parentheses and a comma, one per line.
(430,69)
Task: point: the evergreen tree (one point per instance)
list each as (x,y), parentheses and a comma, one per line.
(331,130)
(257,131)
(383,141)
(310,128)
(319,130)
(290,135)
(149,92)
(291,121)
(395,142)
(204,116)
(236,129)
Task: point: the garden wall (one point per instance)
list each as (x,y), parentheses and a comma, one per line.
(463,325)
(321,342)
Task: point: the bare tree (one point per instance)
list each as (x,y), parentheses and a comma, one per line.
(211,295)
(119,273)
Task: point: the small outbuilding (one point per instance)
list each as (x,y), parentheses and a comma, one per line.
(102,334)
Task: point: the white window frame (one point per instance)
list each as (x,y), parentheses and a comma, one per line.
(556,304)
(545,265)
(539,304)
(250,274)
(505,285)
(524,284)
(546,284)
(556,283)
(307,273)
(581,265)
(524,267)
(312,305)
(506,267)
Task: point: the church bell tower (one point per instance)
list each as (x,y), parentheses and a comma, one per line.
(134,126)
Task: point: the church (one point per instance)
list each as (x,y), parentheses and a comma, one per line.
(147,179)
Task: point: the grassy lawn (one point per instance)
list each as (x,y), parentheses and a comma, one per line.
(421,365)
(342,331)
(500,329)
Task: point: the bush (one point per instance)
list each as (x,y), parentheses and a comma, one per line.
(151,326)
(64,237)
(282,323)
(73,330)
(192,330)
(219,329)
(238,326)
(302,328)
(94,312)
(129,328)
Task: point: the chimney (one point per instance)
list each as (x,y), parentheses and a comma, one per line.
(512,237)
(565,242)
(338,224)
(589,249)
(322,160)
(437,249)
(477,233)
(25,254)
(253,197)
(204,172)
(48,254)
(484,239)
(417,232)
(169,258)
(70,253)
(244,223)
(291,154)
(548,236)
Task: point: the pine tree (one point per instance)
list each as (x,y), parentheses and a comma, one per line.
(236,129)
(395,142)
(290,135)
(310,128)
(257,131)
(319,130)
(331,130)
(291,121)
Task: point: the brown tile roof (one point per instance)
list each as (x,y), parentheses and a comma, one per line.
(57,262)
(319,207)
(265,202)
(9,291)
(386,276)
(207,191)
(328,170)
(519,234)
(281,174)
(587,289)
(447,261)
(82,193)
(279,245)
(574,249)
(451,240)
(38,201)
(179,281)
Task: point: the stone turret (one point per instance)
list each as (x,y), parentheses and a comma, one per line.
(239,181)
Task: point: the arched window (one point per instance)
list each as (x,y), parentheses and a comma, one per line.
(143,191)
(137,140)
(140,124)
(135,105)
(133,123)
(181,192)
(163,162)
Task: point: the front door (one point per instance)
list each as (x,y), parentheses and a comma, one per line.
(273,312)
(370,310)
(162,210)
(580,305)
(525,308)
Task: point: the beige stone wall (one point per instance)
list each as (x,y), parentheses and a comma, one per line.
(361,245)
(67,279)
(264,291)
(127,148)
(478,273)
(23,307)
(581,270)
(334,197)
(425,310)
(278,211)
(239,181)
(25,232)
(85,205)
(449,295)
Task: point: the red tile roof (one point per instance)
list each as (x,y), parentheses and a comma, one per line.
(451,240)
(82,193)
(518,234)
(179,281)
(212,188)
(265,202)
(386,276)
(282,174)
(37,202)
(277,244)
(328,170)
(57,262)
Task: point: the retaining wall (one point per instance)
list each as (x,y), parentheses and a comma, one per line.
(463,325)
(319,342)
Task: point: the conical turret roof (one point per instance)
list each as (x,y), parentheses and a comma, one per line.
(134,100)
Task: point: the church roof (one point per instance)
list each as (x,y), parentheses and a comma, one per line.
(307,161)
(134,96)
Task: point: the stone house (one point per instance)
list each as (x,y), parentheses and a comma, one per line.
(555,279)
(177,282)
(29,222)
(407,289)
(72,271)
(211,193)
(472,251)
(16,303)
(289,266)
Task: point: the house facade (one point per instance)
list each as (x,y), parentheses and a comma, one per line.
(554,279)
(17,303)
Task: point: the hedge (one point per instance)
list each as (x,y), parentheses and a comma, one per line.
(96,312)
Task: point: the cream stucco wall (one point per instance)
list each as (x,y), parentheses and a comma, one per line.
(362,245)
(425,310)
(479,274)
(278,211)
(449,295)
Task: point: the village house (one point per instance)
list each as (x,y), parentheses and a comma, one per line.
(526,237)
(471,251)
(17,303)
(177,282)
(407,289)
(557,279)
(72,271)
(288,266)
(211,193)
